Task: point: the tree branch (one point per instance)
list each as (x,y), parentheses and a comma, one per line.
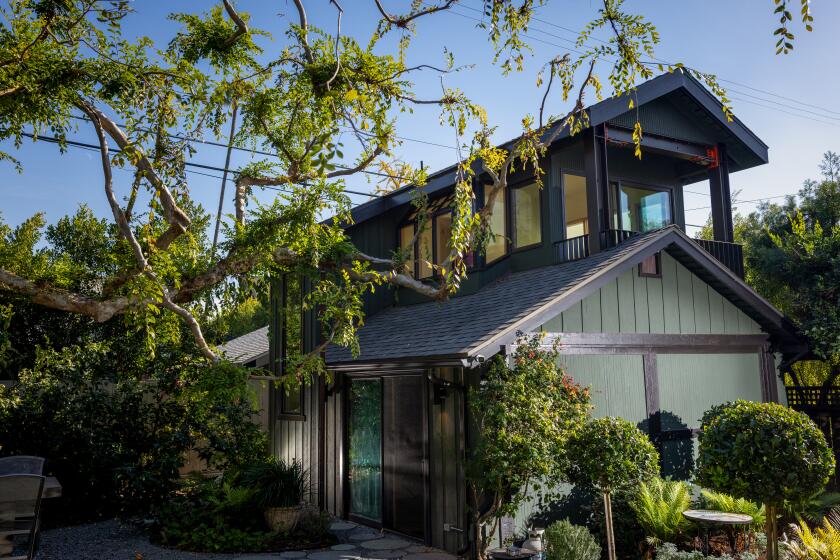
(304,32)
(404,20)
(337,43)
(241,27)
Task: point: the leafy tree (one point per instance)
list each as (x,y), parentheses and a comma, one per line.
(742,454)
(68,63)
(792,258)
(611,454)
(524,412)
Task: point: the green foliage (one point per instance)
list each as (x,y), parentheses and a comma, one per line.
(813,509)
(564,541)
(222,515)
(742,454)
(115,441)
(720,501)
(669,551)
(821,543)
(276,483)
(658,506)
(611,454)
(525,411)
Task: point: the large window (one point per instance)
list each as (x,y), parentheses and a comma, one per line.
(643,209)
(497,244)
(527,225)
(291,342)
(574,201)
(432,245)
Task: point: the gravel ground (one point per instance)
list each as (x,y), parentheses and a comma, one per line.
(109,540)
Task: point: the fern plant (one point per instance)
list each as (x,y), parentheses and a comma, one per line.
(659,507)
(721,501)
(564,541)
(822,543)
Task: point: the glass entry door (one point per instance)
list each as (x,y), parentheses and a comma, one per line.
(364,428)
(387,437)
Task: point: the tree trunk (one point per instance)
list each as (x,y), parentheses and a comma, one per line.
(477,542)
(771,529)
(609,524)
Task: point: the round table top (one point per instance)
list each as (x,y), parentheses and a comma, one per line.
(712,517)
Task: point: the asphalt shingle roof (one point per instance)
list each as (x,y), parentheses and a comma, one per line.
(247,347)
(455,327)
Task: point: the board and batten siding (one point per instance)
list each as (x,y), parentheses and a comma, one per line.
(677,303)
(297,439)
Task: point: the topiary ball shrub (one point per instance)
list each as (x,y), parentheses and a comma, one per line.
(763,452)
(564,541)
(611,454)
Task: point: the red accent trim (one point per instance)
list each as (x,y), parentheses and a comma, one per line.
(713,156)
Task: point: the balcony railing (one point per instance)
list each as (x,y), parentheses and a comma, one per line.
(571,249)
(731,255)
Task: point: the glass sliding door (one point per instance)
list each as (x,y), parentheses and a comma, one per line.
(643,209)
(365,448)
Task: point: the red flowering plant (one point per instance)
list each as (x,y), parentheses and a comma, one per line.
(524,410)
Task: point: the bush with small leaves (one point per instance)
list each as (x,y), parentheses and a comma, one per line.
(763,452)
(610,454)
(565,541)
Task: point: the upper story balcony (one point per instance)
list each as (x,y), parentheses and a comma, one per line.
(731,255)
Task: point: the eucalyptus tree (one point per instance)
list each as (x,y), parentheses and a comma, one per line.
(69,63)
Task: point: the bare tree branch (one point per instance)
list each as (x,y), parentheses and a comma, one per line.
(304,31)
(403,20)
(337,43)
(241,27)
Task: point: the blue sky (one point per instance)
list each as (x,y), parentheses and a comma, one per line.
(789,101)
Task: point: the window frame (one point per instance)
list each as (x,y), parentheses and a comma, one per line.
(283,412)
(616,193)
(432,224)
(658,274)
(511,211)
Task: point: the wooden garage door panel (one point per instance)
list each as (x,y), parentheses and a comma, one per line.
(690,384)
(617,383)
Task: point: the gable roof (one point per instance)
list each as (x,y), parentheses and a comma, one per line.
(480,324)
(746,149)
(247,347)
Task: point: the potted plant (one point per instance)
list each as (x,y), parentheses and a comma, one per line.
(279,488)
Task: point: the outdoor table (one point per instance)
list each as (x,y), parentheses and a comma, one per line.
(706,518)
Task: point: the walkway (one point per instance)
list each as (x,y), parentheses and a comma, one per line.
(108,540)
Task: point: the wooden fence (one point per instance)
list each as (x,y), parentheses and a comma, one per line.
(822,405)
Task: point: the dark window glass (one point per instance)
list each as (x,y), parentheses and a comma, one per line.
(291,399)
(497,244)
(443,235)
(365,449)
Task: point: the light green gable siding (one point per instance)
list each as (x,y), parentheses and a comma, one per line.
(678,303)
(690,384)
(616,382)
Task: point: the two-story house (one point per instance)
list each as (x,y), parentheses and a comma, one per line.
(661,326)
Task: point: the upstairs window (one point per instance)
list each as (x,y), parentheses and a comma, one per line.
(643,209)
(433,245)
(574,203)
(527,222)
(497,244)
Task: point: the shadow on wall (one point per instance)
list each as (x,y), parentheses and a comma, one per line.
(676,447)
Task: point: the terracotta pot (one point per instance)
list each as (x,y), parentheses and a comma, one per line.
(282,518)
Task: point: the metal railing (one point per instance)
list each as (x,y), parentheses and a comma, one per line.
(572,249)
(731,255)
(817,397)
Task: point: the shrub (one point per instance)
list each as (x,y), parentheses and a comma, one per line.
(525,409)
(116,442)
(276,483)
(218,515)
(720,501)
(822,543)
(743,453)
(610,454)
(669,551)
(658,506)
(564,541)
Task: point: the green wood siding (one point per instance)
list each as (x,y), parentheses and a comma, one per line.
(690,384)
(677,303)
(616,382)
